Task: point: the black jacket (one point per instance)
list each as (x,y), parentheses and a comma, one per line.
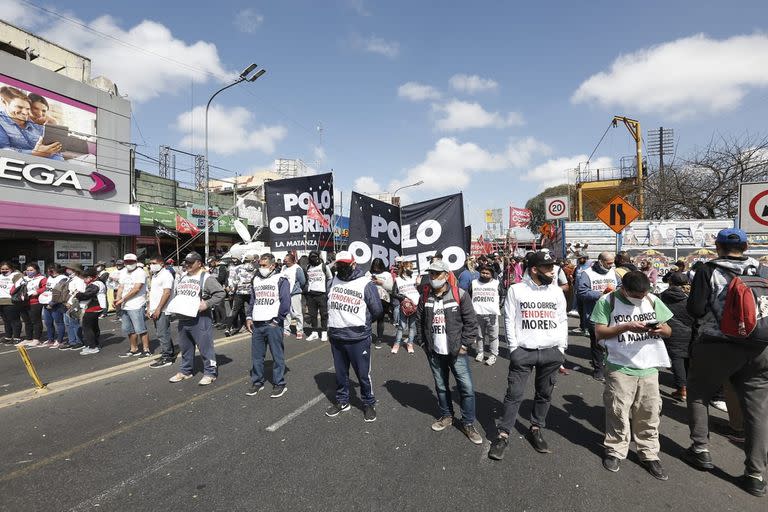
(682,323)
(460,320)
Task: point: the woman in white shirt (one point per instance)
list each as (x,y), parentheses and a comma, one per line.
(384,282)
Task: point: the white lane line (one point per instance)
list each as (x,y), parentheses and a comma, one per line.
(285,419)
(99,499)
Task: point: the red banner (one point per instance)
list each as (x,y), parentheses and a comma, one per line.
(519,217)
(185,226)
(480,247)
(313,212)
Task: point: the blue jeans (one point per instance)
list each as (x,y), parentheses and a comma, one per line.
(442,366)
(133,321)
(73,329)
(406,322)
(198,332)
(54,317)
(267,334)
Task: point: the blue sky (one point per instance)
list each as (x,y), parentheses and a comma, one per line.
(493,98)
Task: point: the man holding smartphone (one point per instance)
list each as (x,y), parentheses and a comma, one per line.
(630,324)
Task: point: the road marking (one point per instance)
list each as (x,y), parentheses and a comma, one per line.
(285,419)
(135,478)
(89,378)
(128,426)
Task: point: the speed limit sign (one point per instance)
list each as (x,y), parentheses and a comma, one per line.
(556,207)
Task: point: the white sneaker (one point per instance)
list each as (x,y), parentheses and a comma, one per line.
(88,351)
(314,336)
(207,379)
(479,357)
(324,336)
(491,360)
(719,405)
(179,377)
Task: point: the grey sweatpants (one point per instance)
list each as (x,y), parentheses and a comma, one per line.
(488,333)
(197,331)
(746,365)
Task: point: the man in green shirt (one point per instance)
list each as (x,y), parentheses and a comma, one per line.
(630,323)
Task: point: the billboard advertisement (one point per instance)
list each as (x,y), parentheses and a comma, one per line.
(39,122)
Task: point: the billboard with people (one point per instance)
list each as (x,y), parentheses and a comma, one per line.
(39,122)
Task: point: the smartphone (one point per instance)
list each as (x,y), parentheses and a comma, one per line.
(652,325)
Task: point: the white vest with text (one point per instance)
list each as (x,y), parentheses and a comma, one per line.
(599,282)
(346,303)
(266,301)
(316,278)
(187,295)
(407,286)
(485,297)
(632,349)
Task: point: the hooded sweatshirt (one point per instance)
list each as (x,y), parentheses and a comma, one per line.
(708,291)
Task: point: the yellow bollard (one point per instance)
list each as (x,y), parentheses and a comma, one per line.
(30,367)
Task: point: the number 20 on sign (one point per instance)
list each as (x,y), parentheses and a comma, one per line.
(618,214)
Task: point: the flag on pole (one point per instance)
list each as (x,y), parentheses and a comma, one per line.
(313,212)
(185,226)
(163,230)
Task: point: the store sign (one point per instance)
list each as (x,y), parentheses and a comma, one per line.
(200,212)
(41,174)
(67,252)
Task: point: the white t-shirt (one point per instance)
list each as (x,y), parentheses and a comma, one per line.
(127,281)
(439,336)
(161,281)
(75,285)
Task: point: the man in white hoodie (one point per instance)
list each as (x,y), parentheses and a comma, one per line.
(537,334)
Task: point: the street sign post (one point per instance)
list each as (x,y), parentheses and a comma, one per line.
(753,208)
(556,208)
(618,214)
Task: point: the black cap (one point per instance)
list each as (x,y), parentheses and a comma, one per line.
(192,257)
(540,259)
(678,279)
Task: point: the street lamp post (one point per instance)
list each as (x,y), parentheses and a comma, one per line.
(245,76)
(394,194)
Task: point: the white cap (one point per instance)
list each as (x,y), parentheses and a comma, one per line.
(344,257)
(130,257)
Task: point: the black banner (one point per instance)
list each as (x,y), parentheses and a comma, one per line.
(432,226)
(468,239)
(287,204)
(374,230)
(163,230)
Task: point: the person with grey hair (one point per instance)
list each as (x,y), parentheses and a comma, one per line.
(594,282)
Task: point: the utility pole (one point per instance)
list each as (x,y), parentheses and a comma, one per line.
(634,129)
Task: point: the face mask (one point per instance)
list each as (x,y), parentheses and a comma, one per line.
(604,267)
(31,273)
(344,271)
(437,283)
(70,272)
(99,269)
(634,301)
(545,279)
(131,268)
(314,261)
(155,268)
(264,272)
(250,267)
(5,272)
(485,279)
(409,273)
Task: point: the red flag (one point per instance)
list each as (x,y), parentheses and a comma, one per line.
(313,212)
(185,226)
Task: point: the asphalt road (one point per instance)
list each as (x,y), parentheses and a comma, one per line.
(133,441)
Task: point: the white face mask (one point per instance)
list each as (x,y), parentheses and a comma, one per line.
(634,301)
(265,271)
(437,283)
(155,268)
(131,267)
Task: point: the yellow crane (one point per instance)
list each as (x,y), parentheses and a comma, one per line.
(634,129)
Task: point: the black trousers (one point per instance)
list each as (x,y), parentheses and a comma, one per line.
(12,320)
(522,362)
(91,331)
(598,352)
(680,371)
(34,319)
(318,303)
(240,305)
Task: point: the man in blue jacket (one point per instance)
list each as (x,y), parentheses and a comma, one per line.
(269,305)
(353,304)
(594,282)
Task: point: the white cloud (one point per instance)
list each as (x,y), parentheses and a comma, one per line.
(359,6)
(230,131)
(472,84)
(682,78)
(462,115)
(415,91)
(149,62)
(451,165)
(248,20)
(556,171)
(374,44)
